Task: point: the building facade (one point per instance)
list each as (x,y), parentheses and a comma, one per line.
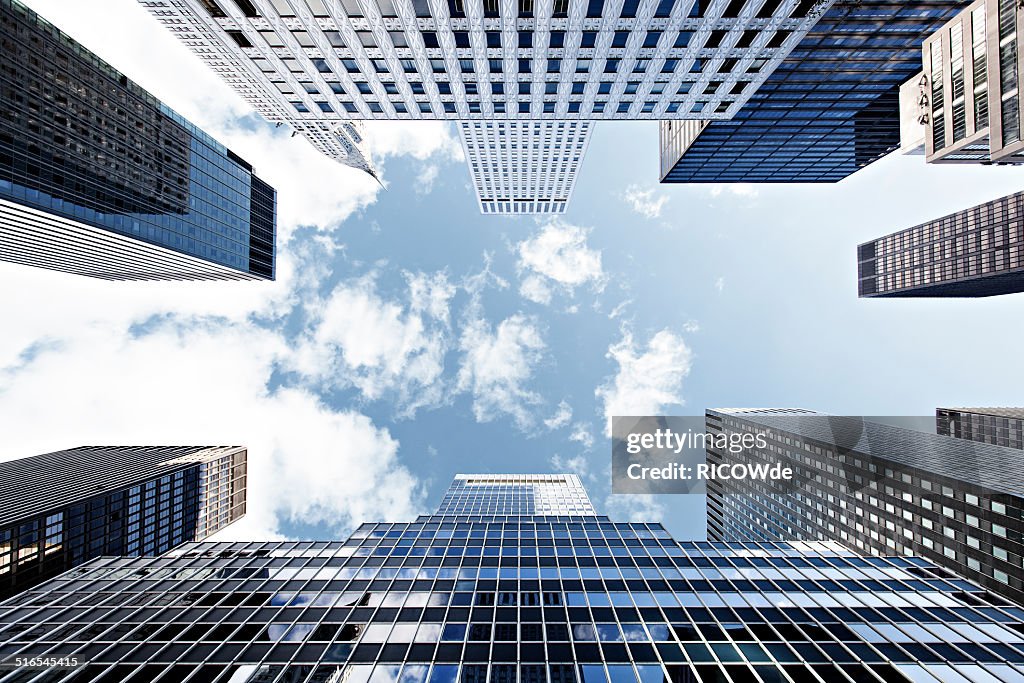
(99,178)
(524,166)
(999,426)
(62,509)
(830,109)
(319,65)
(972,66)
(513,579)
(878,489)
(972,253)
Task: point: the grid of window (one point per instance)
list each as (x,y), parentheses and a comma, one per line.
(222,486)
(976,252)
(415,59)
(828,110)
(524,166)
(509,494)
(80,142)
(854,494)
(953,130)
(999,426)
(62,509)
(585,600)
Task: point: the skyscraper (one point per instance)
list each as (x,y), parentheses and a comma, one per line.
(876,488)
(62,509)
(514,579)
(1000,426)
(99,178)
(831,108)
(972,66)
(313,64)
(972,253)
(524,166)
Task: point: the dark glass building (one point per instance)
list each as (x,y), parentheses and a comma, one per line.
(513,579)
(99,178)
(972,253)
(62,509)
(1000,426)
(879,489)
(830,108)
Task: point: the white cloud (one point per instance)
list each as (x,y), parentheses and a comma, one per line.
(581,433)
(419,139)
(743,190)
(561,417)
(497,364)
(720,284)
(634,507)
(619,309)
(357,337)
(535,288)
(577,465)
(691,326)
(427,177)
(648,203)
(648,379)
(557,256)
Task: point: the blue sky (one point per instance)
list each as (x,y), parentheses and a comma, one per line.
(408,337)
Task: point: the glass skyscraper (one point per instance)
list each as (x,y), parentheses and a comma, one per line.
(514,579)
(99,178)
(65,508)
(831,108)
(876,488)
(971,253)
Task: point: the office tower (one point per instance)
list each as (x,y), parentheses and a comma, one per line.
(999,426)
(524,166)
(831,108)
(876,488)
(972,253)
(99,178)
(313,64)
(515,579)
(972,66)
(62,509)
